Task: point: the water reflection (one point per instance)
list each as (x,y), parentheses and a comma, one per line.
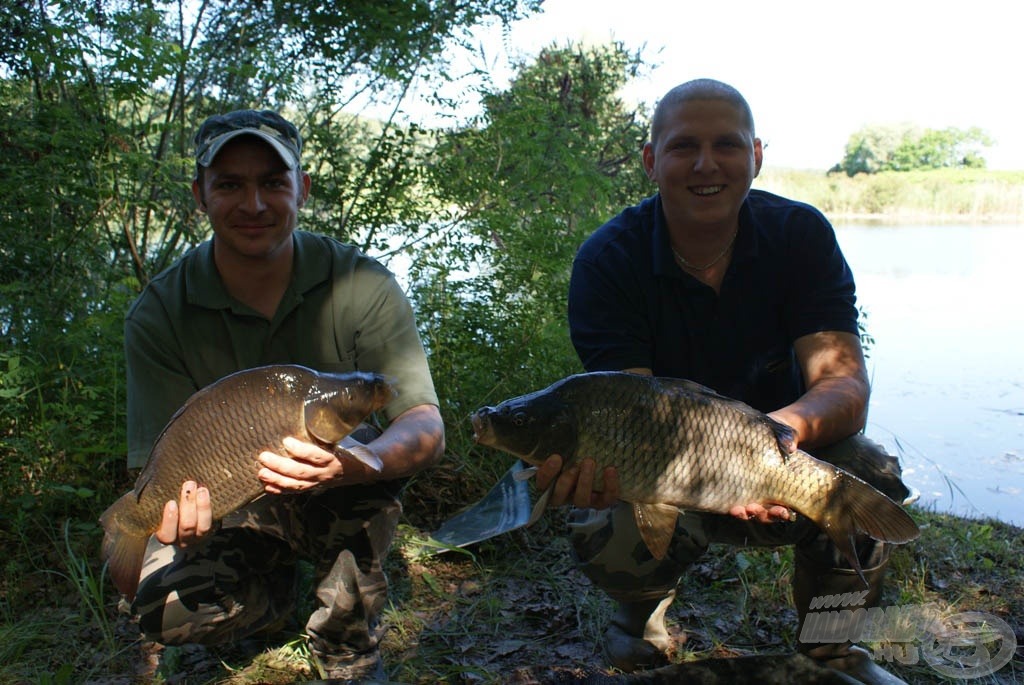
(943,305)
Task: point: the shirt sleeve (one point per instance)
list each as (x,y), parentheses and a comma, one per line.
(822,292)
(157,382)
(388,341)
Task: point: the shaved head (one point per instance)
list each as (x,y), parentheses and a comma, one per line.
(699,89)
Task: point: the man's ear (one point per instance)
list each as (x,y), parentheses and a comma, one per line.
(197,194)
(306,182)
(647,155)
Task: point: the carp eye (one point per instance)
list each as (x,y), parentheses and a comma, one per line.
(519,418)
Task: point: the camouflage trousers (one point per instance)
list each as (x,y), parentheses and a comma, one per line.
(611,553)
(243,578)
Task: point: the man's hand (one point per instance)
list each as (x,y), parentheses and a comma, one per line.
(576,485)
(187,520)
(304,467)
(758,512)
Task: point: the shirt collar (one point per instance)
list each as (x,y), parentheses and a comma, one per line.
(663,260)
(204,287)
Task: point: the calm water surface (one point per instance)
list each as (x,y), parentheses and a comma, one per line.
(947,366)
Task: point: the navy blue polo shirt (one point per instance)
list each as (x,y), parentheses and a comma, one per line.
(631,305)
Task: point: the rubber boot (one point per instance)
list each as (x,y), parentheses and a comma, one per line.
(843,657)
(636,638)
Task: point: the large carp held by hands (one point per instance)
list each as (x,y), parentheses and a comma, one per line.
(215,440)
(678,445)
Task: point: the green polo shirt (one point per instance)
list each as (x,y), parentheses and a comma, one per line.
(342,311)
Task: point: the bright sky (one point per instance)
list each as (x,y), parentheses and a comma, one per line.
(816,71)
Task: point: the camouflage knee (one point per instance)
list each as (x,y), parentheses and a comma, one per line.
(611,553)
(353,533)
(237,584)
(869,461)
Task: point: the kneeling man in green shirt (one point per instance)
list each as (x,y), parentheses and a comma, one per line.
(261,292)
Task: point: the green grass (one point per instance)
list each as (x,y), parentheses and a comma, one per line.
(514,609)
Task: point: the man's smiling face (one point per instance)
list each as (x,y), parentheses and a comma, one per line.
(704,161)
(251,197)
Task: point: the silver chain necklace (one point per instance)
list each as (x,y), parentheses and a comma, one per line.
(693,267)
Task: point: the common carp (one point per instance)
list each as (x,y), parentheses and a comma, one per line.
(216,437)
(679,445)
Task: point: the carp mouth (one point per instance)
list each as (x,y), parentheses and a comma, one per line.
(489,430)
(482,432)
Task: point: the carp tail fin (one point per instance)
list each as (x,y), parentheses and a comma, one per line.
(854,507)
(122,551)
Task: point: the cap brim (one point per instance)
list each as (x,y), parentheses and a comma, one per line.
(287,154)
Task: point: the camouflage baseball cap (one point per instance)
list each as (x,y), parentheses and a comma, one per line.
(270,126)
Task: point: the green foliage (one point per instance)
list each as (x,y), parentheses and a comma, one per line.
(90,587)
(61,424)
(98,102)
(875,149)
(369,183)
(549,160)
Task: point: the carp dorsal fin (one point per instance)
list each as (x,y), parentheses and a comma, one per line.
(784,434)
(657,525)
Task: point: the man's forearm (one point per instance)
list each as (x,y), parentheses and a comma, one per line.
(835,408)
(412,442)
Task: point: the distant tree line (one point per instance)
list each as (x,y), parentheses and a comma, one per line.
(907,147)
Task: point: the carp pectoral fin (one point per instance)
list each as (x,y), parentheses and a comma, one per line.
(324,423)
(657,526)
(525,474)
(365,455)
(540,506)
